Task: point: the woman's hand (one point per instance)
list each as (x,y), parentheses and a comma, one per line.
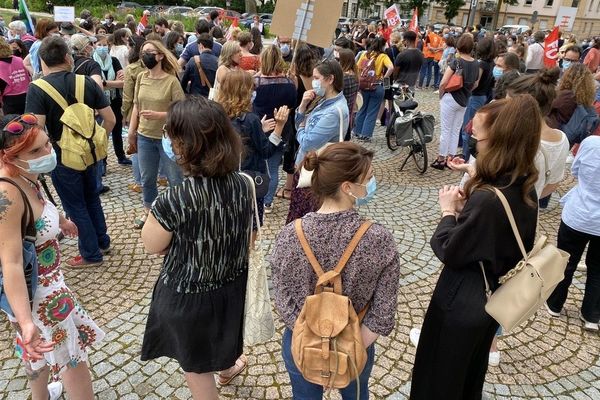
(451,199)
(34,345)
(267,124)
(307,97)
(132,138)
(151,115)
(459,164)
(281,115)
(120,75)
(68,227)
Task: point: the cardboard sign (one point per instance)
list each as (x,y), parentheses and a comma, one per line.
(64,14)
(566,18)
(298,19)
(551,48)
(392,16)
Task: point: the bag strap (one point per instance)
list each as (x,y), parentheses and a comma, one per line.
(341,124)
(52,92)
(203,79)
(511,219)
(312,259)
(81,65)
(28,231)
(488,291)
(80,88)
(256,217)
(546,166)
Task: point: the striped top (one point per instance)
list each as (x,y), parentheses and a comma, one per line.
(210,219)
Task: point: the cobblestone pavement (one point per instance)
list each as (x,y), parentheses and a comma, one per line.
(547,358)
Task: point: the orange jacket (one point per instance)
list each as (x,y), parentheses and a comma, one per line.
(432,40)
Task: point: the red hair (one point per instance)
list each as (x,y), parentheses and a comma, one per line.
(16,144)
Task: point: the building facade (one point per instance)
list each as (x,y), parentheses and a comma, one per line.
(581,17)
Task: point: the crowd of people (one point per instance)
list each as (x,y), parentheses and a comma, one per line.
(198,109)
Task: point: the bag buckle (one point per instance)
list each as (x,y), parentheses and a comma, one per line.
(325,374)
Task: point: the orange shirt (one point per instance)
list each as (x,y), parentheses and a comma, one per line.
(432,40)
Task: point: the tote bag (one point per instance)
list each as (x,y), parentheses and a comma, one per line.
(306,176)
(259,326)
(456,80)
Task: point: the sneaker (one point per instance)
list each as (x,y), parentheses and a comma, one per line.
(436,91)
(268,208)
(494,358)
(552,313)
(105,189)
(139,222)
(414,335)
(135,187)
(105,251)
(124,161)
(79,262)
(55,389)
(589,326)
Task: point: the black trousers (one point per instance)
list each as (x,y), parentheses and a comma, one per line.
(574,242)
(452,356)
(117,132)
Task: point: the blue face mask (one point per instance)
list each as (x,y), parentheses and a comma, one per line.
(179,48)
(41,165)
(497,72)
(371,187)
(316,85)
(285,49)
(102,51)
(566,64)
(168,148)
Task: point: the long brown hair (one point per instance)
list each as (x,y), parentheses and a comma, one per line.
(169,62)
(512,144)
(347,61)
(234,93)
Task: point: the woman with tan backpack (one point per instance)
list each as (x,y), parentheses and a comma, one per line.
(304,257)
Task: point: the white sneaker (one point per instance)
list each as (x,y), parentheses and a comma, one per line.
(552,313)
(268,208)
(494,358)
(589,326)
(414,335)
(55,389)
(570,158)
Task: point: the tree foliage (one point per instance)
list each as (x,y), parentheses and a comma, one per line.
(410,5)
(451,8)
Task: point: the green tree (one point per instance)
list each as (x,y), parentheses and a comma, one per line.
(451,7)
(498,6)
(410,5)
(364,5)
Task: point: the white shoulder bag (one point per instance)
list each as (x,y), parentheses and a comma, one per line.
(306,176)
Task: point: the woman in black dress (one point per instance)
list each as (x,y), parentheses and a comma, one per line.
(203,227)
(452,354)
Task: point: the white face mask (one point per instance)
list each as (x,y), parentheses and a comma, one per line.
(40,165)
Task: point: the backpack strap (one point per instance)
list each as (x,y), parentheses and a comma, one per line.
(52,92)
(203,78)
(80,88)
(306,247)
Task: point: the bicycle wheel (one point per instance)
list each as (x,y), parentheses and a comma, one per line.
(419,149)
(390,133)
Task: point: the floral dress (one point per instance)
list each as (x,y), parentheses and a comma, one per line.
(56,311)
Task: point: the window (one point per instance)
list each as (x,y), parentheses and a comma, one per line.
(354,7)
(591,4)
(523,21)
(528,2)
(543,24)
(378,11)
(345,9)
(510,21)
(575,3)
(439,15)
(464,19)
(549,3)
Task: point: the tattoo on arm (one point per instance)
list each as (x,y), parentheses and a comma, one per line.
(5,204)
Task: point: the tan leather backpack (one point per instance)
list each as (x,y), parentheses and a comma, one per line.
(327,345)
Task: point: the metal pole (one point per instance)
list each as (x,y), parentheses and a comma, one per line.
(472,12)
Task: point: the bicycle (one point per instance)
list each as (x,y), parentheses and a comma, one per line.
(409,128)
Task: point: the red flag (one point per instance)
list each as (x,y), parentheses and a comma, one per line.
(414,22)
(551,48)
(143,24)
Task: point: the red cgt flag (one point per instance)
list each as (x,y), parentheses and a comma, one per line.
(414,22)
(551,48)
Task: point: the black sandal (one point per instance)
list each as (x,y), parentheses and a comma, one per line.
(439,164)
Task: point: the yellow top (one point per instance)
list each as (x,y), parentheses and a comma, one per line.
(381,61)
(155,95)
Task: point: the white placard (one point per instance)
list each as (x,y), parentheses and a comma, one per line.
(566,18)
(64,14)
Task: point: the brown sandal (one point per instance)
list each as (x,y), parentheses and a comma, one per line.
(229,374)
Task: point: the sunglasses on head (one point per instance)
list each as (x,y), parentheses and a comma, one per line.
(17,127)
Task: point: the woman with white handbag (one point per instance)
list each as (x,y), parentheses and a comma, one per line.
(321,118)
(457,331)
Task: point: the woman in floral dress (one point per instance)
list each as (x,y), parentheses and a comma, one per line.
(53,331)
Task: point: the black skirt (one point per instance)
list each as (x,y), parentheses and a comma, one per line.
(202,331)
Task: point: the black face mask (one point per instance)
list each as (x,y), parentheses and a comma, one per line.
(17,53)
(149,61)
(473,146)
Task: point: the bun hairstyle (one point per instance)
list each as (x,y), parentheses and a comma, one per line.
(542,86)
(338,163)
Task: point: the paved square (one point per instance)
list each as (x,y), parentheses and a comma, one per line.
(547,358)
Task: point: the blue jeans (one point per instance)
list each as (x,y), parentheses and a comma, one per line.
(426,72)
(78,192)
(474,104)
(137,178)
(273,163)
(150,153)
(367,115)
(304,390)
